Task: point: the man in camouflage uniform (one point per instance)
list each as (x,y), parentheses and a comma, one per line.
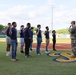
(72,31)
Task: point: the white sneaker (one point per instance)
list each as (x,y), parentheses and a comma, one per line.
(8,54)
(46,52)
(14,60)
(38,54)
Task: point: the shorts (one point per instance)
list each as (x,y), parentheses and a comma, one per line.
(22,41)
(8,40)
(47,40)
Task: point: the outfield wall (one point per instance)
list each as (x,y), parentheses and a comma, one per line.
(60,38)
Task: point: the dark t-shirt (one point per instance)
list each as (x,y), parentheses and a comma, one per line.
(47,34)
(14,34)
(27,33)
(7,32)
(21,33)
(54,36)
(39,34)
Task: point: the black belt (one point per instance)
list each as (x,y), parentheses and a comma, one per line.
(28,38)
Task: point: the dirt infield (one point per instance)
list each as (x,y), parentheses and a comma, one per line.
(58,46)
(62,43)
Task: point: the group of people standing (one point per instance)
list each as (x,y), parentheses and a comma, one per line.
(26,39)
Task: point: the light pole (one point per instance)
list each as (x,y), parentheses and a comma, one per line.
(52,17)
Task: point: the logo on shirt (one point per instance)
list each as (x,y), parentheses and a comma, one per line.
(62,57)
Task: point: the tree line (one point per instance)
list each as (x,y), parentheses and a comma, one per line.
(63,31)
(60,31)
(2,27)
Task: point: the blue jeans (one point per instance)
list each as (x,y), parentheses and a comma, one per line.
(39,40)
(14,48)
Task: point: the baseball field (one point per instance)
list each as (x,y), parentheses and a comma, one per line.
(37,65)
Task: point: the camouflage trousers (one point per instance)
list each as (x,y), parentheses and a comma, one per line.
(73,44)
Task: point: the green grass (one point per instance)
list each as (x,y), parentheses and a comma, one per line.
(35,65)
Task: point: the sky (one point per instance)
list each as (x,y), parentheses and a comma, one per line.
(38,12)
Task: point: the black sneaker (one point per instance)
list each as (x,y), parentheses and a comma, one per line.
(27,56)
(54,49)
(22,51)
(30,49)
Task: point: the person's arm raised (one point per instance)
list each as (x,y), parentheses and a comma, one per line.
(10,31)
(37,32)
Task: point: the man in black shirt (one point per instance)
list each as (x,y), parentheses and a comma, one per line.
(22,38)
(39,39)
(8,39)
(13,33)
(47,38)
(27,38)
(54,39)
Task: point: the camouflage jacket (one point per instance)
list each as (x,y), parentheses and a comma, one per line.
(72,32)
